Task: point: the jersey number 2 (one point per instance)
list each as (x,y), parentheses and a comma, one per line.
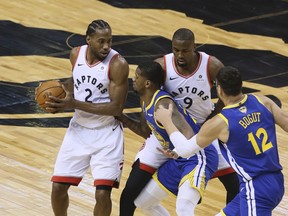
(261,134)
(87,98)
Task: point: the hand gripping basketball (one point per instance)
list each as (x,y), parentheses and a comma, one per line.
(46,89)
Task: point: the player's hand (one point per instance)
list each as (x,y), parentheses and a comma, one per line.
(163,114)
(58,104)
(168,153)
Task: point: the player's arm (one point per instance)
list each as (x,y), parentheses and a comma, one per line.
(69,83)
(139,127)
(161,62)
(211,130)
(280,117)
(177,119)
(118,90)
(214,67)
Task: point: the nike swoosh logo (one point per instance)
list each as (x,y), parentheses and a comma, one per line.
(80,64)
(113,129)
(173,78)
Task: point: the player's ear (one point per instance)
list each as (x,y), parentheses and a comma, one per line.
(219,90)
(88,39)
(147,83)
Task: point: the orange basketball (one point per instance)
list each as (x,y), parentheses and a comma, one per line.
(46,89)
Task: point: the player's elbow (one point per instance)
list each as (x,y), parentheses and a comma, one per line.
(184,148)
(184,152)
(118,112)
(118,109)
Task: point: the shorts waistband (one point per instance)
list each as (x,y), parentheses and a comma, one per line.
(108,124)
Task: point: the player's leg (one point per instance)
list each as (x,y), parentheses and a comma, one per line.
(106,164)
(227,176)
(232,208)
(60,198)
(231,183)
(149,200)
(187,199)
(136,181)
(262,194)
(71,165)
(195,173)
(103,206)
(147,161)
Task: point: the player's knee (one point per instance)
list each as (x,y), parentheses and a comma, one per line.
(130,192)
(103,196)
(59,188)
(230,181)
(186,207)
(146,200)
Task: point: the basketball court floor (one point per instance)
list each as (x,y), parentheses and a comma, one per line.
(36,37)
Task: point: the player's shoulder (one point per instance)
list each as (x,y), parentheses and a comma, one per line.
(73,54)
(266,101)
(161,61)
(75,50)
(119,66)
(214,67)
(118,60)
(215,62)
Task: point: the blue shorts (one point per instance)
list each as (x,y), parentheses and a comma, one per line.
(258,196)
(198,169)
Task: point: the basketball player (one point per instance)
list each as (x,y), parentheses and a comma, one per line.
(189,78)
(94,137)
(185,177)
(246,127)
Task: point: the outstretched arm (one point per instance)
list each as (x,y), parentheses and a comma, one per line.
(280,117)
(211,130)
(137,126)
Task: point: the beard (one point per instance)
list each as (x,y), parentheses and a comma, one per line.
(181,64)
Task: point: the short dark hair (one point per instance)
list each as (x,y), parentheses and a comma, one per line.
(96,24)
(183,34)
(230,80)
(153,71)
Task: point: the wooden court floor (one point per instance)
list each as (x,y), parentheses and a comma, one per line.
(35,39)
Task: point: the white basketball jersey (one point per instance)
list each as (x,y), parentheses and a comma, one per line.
(193,92)
(91,84)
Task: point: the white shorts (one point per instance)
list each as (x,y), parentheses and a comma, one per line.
(149,155)
(102,149)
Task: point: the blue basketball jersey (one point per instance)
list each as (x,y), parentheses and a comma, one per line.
(198,169)
(157,129)
(251,148)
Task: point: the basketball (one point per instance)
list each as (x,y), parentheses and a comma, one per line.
(46,89)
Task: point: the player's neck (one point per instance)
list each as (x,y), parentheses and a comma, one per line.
(190,67)
(148,96)
(234,99)
(91,58)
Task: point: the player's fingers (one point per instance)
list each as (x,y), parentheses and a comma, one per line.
(65,88)
(164,151)
(161,106)
(51,110)
(53,104)
(55,99)
(170,108)
(161,150)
